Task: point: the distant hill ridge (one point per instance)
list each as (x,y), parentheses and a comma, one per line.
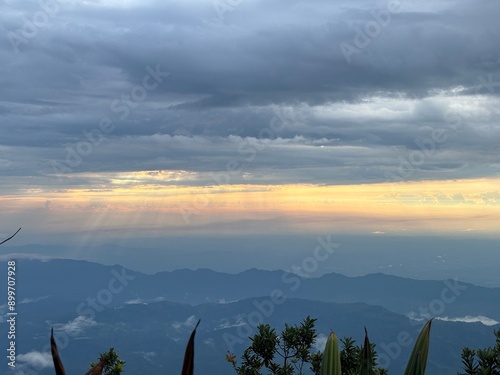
(449,298)
(147,318)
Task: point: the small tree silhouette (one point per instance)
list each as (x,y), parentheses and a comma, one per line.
(109,364)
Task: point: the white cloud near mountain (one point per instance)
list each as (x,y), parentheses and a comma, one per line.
(464,319)
(190,322)
(470,319)
(77,326)
(35,359)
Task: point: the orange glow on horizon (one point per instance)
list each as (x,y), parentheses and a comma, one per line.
(456,206)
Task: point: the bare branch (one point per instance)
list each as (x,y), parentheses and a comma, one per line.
(11,237)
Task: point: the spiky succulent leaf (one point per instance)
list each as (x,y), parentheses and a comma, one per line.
(58,366)
(418,359)
(331,356)
(188,365)
(366,365)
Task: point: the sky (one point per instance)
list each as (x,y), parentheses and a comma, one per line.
(128,119)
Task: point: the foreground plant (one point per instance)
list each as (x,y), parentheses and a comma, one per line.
(332,365)
(482,361)
(418,359)
(58,366)
(110,364)
(188,365)
(352,359)
(292,352)
(287,353)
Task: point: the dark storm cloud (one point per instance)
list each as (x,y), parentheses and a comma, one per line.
(370,80)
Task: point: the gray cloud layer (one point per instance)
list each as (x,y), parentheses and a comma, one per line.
(290,91)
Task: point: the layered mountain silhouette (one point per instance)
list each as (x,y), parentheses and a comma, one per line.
(148,318)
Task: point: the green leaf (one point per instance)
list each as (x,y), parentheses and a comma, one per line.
(331,356)
(418,359)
